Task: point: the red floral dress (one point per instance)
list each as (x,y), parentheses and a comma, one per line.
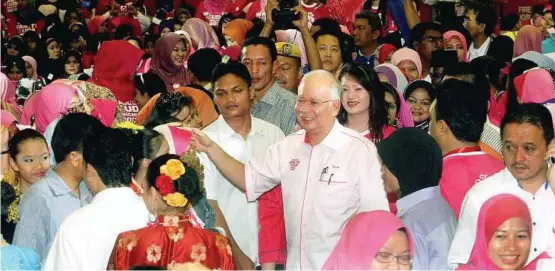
(171,239)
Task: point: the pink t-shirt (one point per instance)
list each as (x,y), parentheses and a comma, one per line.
(461,171)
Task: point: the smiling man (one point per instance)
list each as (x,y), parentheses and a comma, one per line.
(526,133)
(366,31)
(290,70)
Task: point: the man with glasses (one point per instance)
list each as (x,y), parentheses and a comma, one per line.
(426,38)
(327,172)
(480,23)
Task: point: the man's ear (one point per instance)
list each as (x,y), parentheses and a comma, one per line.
(275,67)
(376,34)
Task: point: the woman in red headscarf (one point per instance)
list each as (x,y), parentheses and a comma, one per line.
(504,229)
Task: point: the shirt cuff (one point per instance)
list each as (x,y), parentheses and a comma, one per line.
(274,256)
(249,182)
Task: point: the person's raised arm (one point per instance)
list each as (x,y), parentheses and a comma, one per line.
(312,54)
(269,25)
(232,169)
(410,13)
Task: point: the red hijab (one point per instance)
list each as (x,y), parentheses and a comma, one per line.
(115,65)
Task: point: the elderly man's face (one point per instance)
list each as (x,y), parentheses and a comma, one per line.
(316,109)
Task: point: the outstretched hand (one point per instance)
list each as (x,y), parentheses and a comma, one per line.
(303,21)
(200,141)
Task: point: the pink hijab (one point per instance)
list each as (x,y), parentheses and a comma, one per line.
(494,212)
(162,65)
(407,54)
(7,89)
(293,36)
(33,64)
(362,237)
(28,109)
(6,118)
(202,34)
(529,38)
(535,86)
(447,36)
(51,102)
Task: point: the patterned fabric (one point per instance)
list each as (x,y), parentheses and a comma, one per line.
(491,136)
(171,239)
(277,107)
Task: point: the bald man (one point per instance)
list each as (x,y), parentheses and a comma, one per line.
(327,173)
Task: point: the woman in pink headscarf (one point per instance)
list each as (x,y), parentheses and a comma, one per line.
(409,62)
(202,34)
(7,91)
(529,38)
(55,100)
(168,60)
(535,86)
(502,218)
(455,41)
(375,240)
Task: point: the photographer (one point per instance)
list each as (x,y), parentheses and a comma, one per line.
(301,24)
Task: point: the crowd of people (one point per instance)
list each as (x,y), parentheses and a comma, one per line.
(240,134)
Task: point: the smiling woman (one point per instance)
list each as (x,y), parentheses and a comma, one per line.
(168,60)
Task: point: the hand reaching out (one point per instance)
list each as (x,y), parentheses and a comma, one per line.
(302,23)
(551,170)
(200,141)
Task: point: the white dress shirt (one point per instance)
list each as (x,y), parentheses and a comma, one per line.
(539,204)
(476,53)
(86,238)
(241,215)
(323,186)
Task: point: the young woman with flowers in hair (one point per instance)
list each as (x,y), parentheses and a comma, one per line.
(172,187)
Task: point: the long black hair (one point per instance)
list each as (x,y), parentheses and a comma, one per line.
(377,110)
(167,105)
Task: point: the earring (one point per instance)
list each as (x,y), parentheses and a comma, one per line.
(151,214)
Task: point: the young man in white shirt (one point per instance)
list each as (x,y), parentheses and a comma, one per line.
(327,172)
(86,238)
(480,23)
(526,133)
(243,137)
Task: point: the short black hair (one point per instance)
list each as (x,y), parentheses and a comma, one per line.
(144,144)
(509,21)
(489,66)
(373,19)
(533,114)
(444,58)
(346,43)
(188,184)
(328,24)
(460,70)
(419,30)
(462,108)
(485,15)
(17,62)
(263,41)
(22,136)
(70,133)
(109,153)
(202,62)
(235,68)
(226,18)
(123,31)
(501,48)
(166,105)
(150,83)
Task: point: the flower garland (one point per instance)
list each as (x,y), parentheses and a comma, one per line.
(13,209)
(170,172)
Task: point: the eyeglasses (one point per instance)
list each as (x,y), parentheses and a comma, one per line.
(433,39)
(386,257)
(312,103)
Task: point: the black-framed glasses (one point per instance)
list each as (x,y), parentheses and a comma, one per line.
(386,257)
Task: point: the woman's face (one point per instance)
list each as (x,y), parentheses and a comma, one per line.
(230,41)
(394,255)
(15,74)
(165,30)
(183,17)
(141,98)
(188,117)
(73,18)
(149,47)
(419,102)
(33,160)
(53,49)
(391,108)
(330,52)
(509,246)
(409,69)
(354,98)
(455,44)
(31,45)
(72,66)
(78,106)
(179,54)
(29,69)
(12,50)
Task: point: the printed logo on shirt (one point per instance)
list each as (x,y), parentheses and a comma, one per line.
(293,164)
(130,110)
(22,28)
(261,15)
(213,19)
(481,178)
(11,5)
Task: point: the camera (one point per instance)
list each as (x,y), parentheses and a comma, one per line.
(284,16)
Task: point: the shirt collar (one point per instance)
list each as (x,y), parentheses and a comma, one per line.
(508,178)
(60,188)
(359,53)
(225,131)
(333,138)
(407,202)
(483,47)
(118,195)
(272,96)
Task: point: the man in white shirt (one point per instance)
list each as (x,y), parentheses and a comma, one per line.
(480,23)
(327,172)
(243,137)
(86,238)
(526,133)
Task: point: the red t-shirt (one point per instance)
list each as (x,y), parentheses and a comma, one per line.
(497,108)
(461,171)
(256,10)
(13,27)
(214,18)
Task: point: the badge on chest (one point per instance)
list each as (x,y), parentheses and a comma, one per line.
(331,174)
